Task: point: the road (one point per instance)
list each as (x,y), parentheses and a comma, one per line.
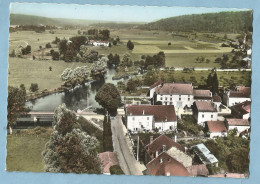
(121,144)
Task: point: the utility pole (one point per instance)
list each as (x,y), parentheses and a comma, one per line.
(137,154)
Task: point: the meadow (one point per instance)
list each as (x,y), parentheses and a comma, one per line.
(24,150)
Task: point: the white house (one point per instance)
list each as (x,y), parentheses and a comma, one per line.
(204,111)
(178,94)
(241,94)
(216,129)
(239,124)
(98,43)
(150,117)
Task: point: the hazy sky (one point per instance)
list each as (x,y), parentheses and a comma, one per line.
(106,12)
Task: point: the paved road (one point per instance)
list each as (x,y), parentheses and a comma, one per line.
(121,146)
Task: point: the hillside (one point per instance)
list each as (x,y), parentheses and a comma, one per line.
(233,22)
(20,19)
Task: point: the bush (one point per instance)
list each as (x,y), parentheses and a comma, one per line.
(34,87)
(130,45)
(48,45)
(116,169)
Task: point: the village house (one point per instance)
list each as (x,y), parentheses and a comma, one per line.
(216,129)
(150,117)
(178,94)
(163,144)
(204,155)
(241,94)
(241,110)
(240,125)
(204,111)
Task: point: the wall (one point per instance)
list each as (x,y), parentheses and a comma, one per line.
(180,156)
(233,101)
(207,117)
(239,128)
(186,100)
(162,126)
(218,134)
(136,122)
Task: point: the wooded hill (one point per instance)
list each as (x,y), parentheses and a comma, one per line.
(232,22)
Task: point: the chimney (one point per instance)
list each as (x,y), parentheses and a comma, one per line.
(175,138)
(151,139)
(161,160)
(164,148)
(166,119)
(143,112)
(156,154)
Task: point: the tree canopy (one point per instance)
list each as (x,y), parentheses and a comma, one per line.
(109,98)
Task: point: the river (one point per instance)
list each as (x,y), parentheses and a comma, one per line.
(78,98)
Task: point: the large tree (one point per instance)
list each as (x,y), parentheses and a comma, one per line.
(130,45)
(70,149)
(212,82)
(98,68)
(16,104)
(109,98)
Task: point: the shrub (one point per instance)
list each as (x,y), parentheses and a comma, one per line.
(116,169)
(34,87)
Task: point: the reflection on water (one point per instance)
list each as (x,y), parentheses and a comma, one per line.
(78,98)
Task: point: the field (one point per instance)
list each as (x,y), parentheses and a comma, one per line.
(24,151)
(26,71)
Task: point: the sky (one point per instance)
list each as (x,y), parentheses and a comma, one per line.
(107,12)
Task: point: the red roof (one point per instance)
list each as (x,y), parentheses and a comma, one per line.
(216,98)
(205,106)
(198,170)
(243,108)
(157,145)
(107,159)
(175,88)
(160,112)
(156,84)
(237,94)
(201,92)
(237,122)
(245,90)
(164,165)
(216,126)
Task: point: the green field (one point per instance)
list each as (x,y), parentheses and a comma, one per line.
(26,71)
(24,151)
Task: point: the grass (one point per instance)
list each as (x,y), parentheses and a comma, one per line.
(26,71)
(24,150)
(199,77)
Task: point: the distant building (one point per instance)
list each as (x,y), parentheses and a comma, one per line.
(240,125)
(178,94)
(216,129)
(98,43)
(241,94)
(241,110)
(204,111)
(150,117)
(204,155)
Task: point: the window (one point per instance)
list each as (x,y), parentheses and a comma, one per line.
(188,99)
(133,118)
(179,98)
(140,123)
(161,98)
(171,99)
(165,103)
(165,98)
(202,115)
(170,103)
(211,115)
(147,118)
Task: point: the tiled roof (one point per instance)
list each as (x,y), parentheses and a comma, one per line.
(198,170)
(201,92)
(202,97)
(165,164)
(216,126)
(107,159)
(237,122)
(156,83)
(243,108)
(175,88)
(160,112)
(205,106)
(157,145)
(242,92)
(216,98)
